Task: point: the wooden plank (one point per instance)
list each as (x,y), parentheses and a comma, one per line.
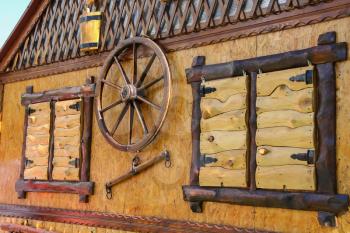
(67,132)
(221,177)
(68,151)
(69,121)
(35,121)
(274,156)
(287,177)
(64,161)
(39,130)
(268,82)
(38,139)
(40,109)
(213,107)
(287,118)
(36,173)
(62,107)
(37,150)
(285,99)
(218,141)
(65,173)
(233,120)
(36,161)
(61,142)
(226,88)
(232,159)
(284,136)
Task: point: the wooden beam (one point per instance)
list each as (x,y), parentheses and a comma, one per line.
(275,199)
(117,221)
(82,188)
(316,55)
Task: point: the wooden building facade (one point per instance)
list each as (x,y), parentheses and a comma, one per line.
(244,127)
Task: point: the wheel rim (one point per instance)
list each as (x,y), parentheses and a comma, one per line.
(132,94)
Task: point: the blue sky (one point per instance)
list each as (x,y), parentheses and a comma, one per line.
(11,11)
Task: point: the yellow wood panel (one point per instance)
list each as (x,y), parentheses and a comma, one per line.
(39,130)
(268,82)
(226,88)
(218,141)
(36,161)
(36,173)
(35,121)
(69,121)
(37,150)
(62,108)
(285,99)
(67,151)
(62,142)
(221,177)
(232,159)
(284,136)
(65,173)
(272,156)
(71,132)
(233,120)
(40,109)
(289,177)
(288,118)
(38,139)
(213,107)
(64,161)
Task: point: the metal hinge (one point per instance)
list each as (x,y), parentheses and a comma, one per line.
(207,160)
(307,77)
(206,90)
(28,162)
(31,111)
(75,162)
(309,156)
(75,106)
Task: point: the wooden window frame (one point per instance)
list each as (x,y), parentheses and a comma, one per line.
(325,199)
(83,187)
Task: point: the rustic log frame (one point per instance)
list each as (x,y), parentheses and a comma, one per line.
(325,198)
(82,187)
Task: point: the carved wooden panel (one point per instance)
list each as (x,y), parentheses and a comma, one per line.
(223,139)
(285,129)
(37,142)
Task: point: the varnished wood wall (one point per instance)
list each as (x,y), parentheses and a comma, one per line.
(157,192)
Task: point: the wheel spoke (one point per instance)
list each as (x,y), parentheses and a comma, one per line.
(125,77)
(150,84)
(145,72)
(111,106)
(134,77)
(148,102)
(141,119)
(120,118)
(131,122)
(116,86)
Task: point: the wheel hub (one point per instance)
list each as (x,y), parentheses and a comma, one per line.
(128,92)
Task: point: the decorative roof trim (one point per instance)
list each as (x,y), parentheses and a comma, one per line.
(116,221)
(299,17)
(21,30)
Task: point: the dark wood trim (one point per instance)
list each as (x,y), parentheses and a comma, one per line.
(10,227)
(66,93)
(326,129)
(117,221)
(21,193)
(298,58)
(298,17)
(52,139)
(82,188)
(263,198)
(86,140)
(252,125)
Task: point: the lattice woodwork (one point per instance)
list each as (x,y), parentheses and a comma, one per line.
(55,37)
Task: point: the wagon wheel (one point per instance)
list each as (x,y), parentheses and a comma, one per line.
(132,93)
